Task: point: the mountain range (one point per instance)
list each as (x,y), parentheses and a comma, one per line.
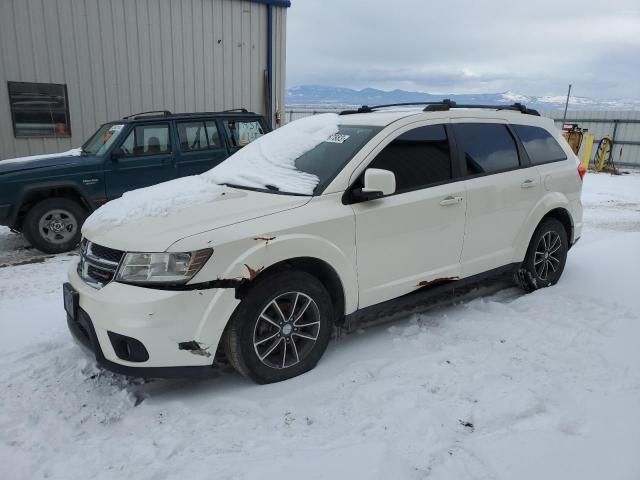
(319,96)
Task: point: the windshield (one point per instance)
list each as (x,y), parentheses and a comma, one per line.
(301,157)
(327,159)
(102,139)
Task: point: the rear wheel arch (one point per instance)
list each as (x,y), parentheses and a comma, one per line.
(564,217)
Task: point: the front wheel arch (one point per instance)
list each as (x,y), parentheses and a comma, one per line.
(320,269)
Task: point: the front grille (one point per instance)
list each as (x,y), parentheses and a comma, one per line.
(98,265)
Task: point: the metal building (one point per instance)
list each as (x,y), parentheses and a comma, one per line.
(67,66)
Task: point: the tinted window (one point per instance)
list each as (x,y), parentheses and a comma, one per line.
(487,147)
(418,158)
(242,132)
(147,140)
(198,135)
(39,109)
(539,144)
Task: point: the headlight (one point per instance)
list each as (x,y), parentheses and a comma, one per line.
(162,268)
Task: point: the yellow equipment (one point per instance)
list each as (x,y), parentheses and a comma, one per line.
(602,158)
(584,154)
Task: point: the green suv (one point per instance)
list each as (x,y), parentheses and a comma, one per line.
(47,198)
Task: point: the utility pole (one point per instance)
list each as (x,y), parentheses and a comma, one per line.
(566,104)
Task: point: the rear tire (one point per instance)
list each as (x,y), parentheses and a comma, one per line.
(546,257)
(281,328)
(53,225)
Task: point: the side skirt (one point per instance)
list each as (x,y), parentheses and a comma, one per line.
(422,299)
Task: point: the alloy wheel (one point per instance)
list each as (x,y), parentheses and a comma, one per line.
(58,226)
(546,259)
(286,330)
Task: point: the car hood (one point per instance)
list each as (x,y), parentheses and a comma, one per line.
(28,164)
(156,234)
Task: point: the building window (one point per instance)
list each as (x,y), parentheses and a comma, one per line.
(39,109)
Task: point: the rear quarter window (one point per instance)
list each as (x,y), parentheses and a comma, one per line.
(539,144)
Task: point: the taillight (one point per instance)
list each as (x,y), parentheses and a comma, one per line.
(581,171)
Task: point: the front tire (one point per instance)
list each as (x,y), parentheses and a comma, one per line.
(546,257)
(53,225)
(281,328)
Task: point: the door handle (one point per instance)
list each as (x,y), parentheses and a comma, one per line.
(529,183)
(450,200)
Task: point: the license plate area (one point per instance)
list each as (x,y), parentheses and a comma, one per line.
(71,300)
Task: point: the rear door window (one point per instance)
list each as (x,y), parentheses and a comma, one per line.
(242,132)
(148,139)
(539,144)
(198,135)
(487,147)
(418,158)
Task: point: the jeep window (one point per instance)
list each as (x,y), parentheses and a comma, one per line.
(487,147)
(242,132)
(418,158)
(149,139)
(100,141)
(39,109)
(539,144)
(198,135)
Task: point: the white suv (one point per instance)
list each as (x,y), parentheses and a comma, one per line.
(311,225)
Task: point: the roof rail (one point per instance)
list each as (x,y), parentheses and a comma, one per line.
(135,115)
(243,110)
(442,106)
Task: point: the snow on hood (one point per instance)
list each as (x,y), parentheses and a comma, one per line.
(267,161)
(74,152)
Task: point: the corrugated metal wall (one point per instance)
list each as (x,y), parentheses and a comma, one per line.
(603,123)
(120,57)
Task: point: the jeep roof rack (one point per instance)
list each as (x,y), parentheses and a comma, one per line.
(444,105)
(166,113)
(150,112)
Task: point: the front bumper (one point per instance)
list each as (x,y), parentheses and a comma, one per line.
(161,321)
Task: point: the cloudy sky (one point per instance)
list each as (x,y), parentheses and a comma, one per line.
(466,46)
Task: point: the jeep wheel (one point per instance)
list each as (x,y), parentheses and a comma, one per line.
(53,225)
(281,328)
(546,257)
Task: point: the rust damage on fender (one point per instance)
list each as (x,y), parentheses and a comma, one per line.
(253,273)
(265,239)
(437,281)
(235,282)
(194,347)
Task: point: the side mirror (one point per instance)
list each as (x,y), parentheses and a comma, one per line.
(377,183)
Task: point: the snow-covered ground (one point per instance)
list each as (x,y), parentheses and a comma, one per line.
(504,386)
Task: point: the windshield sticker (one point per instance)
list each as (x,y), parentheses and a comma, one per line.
(115,128)
(337,138)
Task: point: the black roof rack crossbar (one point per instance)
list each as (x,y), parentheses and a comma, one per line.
(243,110)
(163,112)
(368,109)
(448,104)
